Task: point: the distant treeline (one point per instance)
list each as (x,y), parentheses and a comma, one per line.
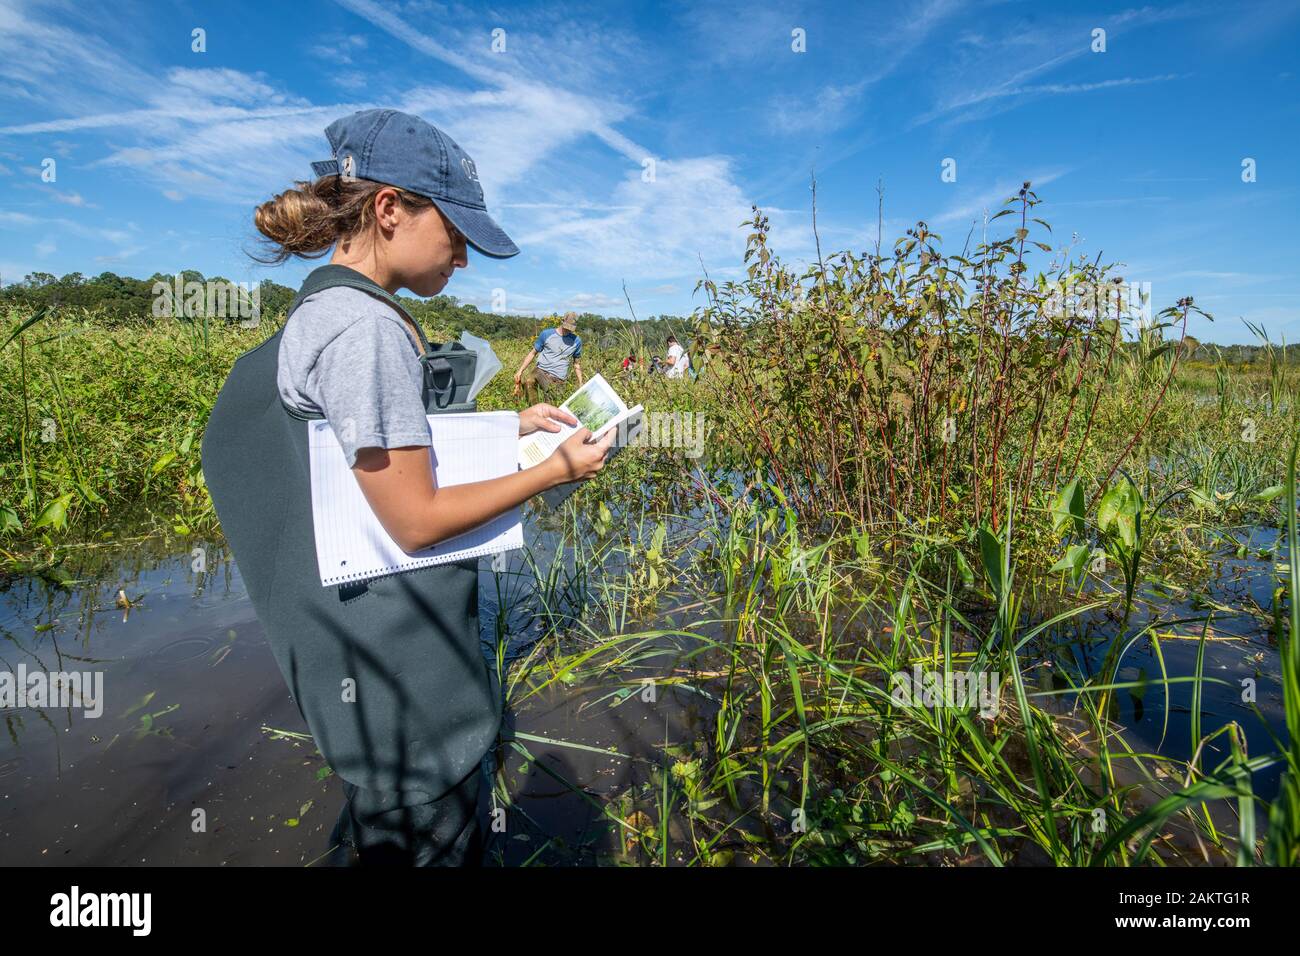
(1240,354)
(127,299)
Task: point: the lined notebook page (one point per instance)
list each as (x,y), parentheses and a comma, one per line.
(352,545)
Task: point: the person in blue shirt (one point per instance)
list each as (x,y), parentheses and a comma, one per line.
(553,350)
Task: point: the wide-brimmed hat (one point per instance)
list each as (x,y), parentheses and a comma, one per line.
(570,322)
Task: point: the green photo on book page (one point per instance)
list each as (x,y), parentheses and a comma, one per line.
(594,404)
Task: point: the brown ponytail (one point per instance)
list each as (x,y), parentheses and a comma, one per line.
(308,220)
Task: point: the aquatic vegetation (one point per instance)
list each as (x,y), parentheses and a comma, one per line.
(960,529)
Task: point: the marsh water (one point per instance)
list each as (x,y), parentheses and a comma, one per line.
(197,756)
(200,755)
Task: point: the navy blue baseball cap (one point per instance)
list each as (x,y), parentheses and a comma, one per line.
(387,146)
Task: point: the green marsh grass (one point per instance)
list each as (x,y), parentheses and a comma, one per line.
(839,531)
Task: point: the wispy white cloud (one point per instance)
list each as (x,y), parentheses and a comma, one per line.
(119,237)
(12,271)
(1224,276)
(887,44)
(1120,201)
(350,80)
(121,255)
(561,120)
(37,54)
(147,118)
(592,302)
(1021,94)
(232,136)
(693,205)
(828,109)
(339,48)
(71,199)
(991,200)
(990,72)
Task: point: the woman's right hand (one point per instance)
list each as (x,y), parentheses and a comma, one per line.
(575,460)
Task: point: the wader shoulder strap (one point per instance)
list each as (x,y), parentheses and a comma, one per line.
(437,380)
(328,276)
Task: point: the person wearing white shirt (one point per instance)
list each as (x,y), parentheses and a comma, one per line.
(678,361)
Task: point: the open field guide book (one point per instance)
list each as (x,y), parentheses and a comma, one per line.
(596,406)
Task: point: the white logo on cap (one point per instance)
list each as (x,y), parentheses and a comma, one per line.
(468,165)
(347,167)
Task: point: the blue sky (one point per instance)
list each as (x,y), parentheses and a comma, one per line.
(161,153)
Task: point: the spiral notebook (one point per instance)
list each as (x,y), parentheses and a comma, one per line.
(352,545)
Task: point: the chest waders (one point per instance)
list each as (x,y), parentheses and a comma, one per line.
(387,673)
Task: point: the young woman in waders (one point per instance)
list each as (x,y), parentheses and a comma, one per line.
(387,672)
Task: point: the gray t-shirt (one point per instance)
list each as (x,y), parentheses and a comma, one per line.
(351,357)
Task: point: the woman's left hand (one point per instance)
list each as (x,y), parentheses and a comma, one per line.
(538,418)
